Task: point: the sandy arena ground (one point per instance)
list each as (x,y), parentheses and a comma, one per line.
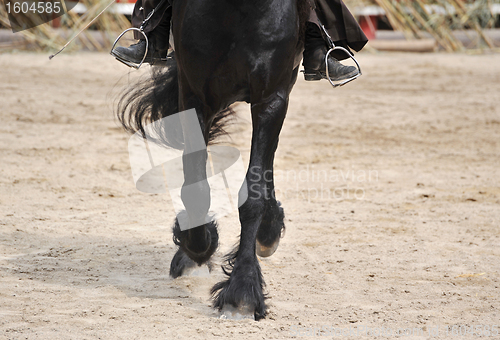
(392,218)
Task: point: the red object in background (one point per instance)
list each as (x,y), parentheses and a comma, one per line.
(56,22)
(368,24)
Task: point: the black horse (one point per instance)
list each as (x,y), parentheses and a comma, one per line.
(227,51)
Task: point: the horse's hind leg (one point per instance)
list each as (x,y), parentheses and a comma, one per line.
(260,212)
(194,232)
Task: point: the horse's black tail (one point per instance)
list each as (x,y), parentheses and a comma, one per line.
(156,97)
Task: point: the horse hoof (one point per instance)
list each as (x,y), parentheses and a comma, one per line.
(197,271)
(264,251)
(229,312)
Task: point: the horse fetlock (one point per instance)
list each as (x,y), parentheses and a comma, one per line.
(242,293)
(199,243)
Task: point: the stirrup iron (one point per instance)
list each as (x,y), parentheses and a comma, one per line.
(140,30)
(332,48)
(126,62)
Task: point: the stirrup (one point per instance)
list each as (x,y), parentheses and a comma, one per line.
(126,62)
(140,30)
(338,48)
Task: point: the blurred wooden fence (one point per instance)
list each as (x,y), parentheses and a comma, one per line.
(416,19)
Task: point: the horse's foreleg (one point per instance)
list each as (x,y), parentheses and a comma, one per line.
(194,232)
(244,288)
(272,226)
